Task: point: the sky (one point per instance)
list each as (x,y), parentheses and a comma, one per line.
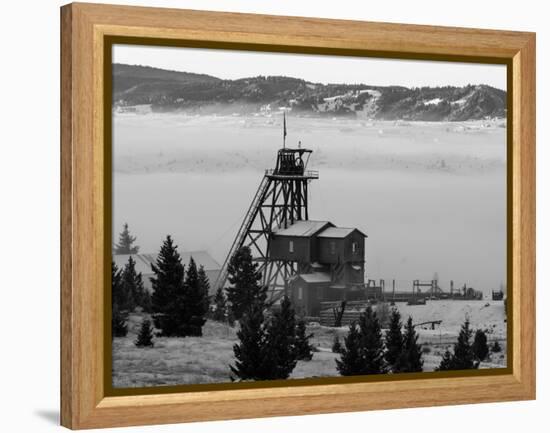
(315,68)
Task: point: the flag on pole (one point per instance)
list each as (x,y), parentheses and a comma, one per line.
(284,128)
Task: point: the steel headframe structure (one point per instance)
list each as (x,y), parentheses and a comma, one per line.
(281,199)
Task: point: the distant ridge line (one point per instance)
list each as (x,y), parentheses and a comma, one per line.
(167,90)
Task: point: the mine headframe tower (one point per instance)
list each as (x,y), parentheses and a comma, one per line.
(281,199)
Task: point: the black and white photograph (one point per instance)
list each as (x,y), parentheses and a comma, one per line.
(295,216)
(274,216)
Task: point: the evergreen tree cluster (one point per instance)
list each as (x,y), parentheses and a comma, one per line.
(127,293)
(465,355)
(180,296)
(179,303)
(133,293)
(127,290)
(403,353)
(365,351)
(119,317)
(269,349)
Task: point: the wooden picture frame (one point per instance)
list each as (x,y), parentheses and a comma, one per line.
(85,32)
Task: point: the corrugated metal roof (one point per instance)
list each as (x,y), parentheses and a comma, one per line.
(143,261)
(303,228)
(315,277)
(338,232)
(201,258)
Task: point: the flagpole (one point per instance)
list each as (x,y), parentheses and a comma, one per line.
(284,129)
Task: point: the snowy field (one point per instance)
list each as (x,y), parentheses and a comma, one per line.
(430,196)
(193,360)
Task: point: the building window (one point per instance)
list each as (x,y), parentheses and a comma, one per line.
(354,247)
(332,247)
(291,246)
(300,293)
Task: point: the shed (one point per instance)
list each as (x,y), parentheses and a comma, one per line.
(308,290)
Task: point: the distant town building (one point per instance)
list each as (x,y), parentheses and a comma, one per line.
(137,109)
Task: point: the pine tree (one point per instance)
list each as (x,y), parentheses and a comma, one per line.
(371,343)
(126,242)
(145,336)
(303,347)
(141,296)
(117,293)
(204,282)
(463,356)
(147,302)
(496,347)
(351,362)
(133,286)
(244,278)
(118,322)
(266,349)
(168,291)
(480,347)
(446,363)
(336,345)
(219,314)
(410,359)
(364,349)
(204,288)
(281,340)
(251,354)
(394,339)
(118,317)
(195,301)
(121,295)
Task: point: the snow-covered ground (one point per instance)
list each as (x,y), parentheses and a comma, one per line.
(192,360)
(488,316)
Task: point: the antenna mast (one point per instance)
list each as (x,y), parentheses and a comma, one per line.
(284,129)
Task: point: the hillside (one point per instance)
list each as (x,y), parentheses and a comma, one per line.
(198,93)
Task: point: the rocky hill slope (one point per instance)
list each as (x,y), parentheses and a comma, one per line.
(167,90)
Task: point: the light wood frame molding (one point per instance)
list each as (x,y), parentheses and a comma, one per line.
(84,403)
